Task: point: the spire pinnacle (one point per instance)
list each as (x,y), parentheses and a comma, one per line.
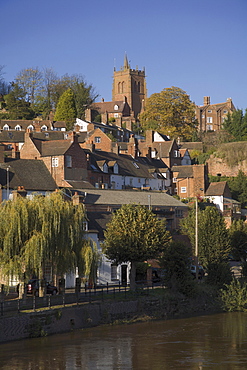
(126,63)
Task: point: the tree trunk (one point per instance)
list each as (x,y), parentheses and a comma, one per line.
(133,276)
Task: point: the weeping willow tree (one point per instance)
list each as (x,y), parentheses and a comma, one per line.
(40,231)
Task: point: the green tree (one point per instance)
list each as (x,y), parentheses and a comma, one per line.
(238,239)
(170,112)
(236,124)
(176,260)
(238,187)
(213,237)
(16,104)
(134,235)
(41,231)
(66,109)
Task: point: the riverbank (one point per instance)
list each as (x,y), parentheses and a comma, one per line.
(157,305)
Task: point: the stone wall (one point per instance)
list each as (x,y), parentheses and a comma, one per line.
(217,166)
(36,324)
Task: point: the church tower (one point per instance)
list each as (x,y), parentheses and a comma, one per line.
(130,84)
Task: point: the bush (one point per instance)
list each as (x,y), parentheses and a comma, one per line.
(219,274)
(234,296)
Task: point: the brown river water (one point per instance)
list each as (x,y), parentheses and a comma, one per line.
(216,341)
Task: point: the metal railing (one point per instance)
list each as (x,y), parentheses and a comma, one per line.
(71,297)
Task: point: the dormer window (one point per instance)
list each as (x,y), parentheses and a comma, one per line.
(6,127)
(30,127)
(44,128)
(17,127)
(116,107)
(176,153)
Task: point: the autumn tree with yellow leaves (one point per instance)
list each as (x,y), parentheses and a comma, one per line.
(170,112)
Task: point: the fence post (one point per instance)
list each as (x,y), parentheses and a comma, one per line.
(34,302)
(119,286)
(114,292)
(49,301)
(63,299)
(18,305)
(102,294)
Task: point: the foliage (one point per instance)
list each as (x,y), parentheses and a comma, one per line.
(238,187)
(219,273)
(176,260)
(232,153)
(213,238)
(66,109)
(16,104)
(134,234)
(236,124)
(91,259)
(171,112)
(40,231)
(238,239)
(234,296)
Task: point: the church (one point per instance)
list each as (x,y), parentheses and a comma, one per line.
(129,94)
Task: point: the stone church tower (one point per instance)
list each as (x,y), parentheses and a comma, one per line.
(130,84)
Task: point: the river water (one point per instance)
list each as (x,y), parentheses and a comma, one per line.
(206,342)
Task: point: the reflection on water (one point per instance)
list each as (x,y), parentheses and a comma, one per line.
(208,342)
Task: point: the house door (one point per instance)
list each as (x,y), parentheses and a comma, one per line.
(124,274)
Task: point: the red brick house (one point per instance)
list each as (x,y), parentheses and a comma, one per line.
(65,159)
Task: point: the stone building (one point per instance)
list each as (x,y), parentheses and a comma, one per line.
(129,94)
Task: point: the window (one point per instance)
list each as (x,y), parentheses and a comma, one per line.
(17,127)
(209,111)
(115,115)
(178,213)
(97,139)
(54,162)
(113,272)
(85,226)
(44,128)
(209,119)
(183,189)
(6,127)
(176,153)
(68,161)
(225,111)
(209,127)
(174,179)
(116,107)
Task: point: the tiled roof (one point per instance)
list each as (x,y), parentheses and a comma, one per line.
(127,165)
(216,188)
(183,171)
(98,221)
(58,147)
(80,184)
(119,197)
(103,107)
(30,173)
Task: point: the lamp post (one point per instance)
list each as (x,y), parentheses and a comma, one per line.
(196,239)
(8,183)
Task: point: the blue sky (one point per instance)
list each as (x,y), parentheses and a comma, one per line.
(197,45)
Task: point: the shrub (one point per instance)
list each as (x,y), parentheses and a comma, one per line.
(219,274)
(234,296)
